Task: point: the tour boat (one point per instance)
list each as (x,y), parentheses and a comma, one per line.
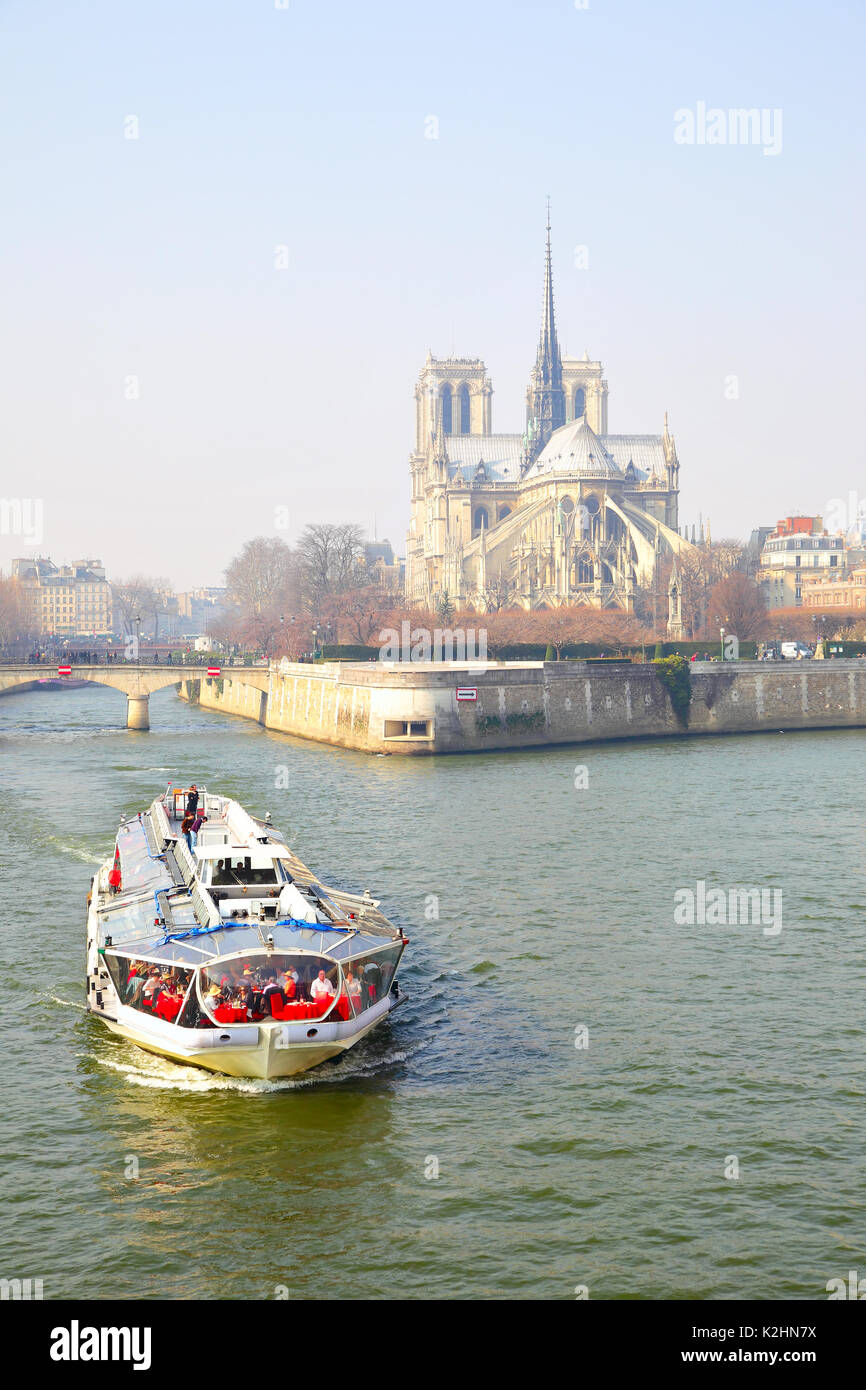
(223,950)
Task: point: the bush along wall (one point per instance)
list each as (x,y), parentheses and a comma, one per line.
(349,651)
(748,650)
(676,677)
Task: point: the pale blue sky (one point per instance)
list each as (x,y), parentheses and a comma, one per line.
(305,127)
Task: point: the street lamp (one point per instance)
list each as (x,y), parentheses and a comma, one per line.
(137,621)
(722,641)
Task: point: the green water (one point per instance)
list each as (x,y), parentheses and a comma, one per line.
(557,1165)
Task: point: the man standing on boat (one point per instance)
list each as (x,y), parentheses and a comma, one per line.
(192,801)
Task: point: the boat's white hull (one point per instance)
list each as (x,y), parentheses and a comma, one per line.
(265,1050)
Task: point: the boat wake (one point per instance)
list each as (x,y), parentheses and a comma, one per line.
(159,1073)
(75,851)
(67,1003)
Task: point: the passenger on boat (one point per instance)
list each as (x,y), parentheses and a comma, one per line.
(135,983)
(196,827)
(114,879)
(372,979)
(272,993)
(192,800)
(186,830)
(353,986)
(152,988)
(244,993)
(322,986)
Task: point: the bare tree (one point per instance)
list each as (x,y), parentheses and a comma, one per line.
(263,576)
(11,611)
(328,558)
(736,603)
(133,598)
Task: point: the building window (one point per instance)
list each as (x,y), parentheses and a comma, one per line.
(464,409)
(504,512)
(408,728)
(579,403)
(481,519)
(446,409)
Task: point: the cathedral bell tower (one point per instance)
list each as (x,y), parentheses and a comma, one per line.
(545,398)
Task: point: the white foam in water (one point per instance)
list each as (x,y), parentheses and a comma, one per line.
(84,855)
(161,1074)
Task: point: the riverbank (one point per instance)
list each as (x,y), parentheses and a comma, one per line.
(427,708)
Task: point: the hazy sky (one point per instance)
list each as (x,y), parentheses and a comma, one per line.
(150,265)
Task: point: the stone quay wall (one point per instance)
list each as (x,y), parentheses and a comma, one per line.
(414,709)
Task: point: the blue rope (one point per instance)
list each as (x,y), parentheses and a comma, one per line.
(292,923)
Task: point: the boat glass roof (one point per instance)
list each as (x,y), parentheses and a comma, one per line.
(203,944)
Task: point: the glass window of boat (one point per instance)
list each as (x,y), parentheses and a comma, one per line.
(155,989)
(137,868)
(368,978)
(251,982)
(124,925)
(242,870)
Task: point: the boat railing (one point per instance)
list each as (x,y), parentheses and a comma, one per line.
(160,821)
(205,909)
(184,859)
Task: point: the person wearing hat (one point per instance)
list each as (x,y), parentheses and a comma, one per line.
(213,997)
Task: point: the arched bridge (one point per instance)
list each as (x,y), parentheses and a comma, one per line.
(138,682)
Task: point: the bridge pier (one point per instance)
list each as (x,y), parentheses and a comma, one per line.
(137,712)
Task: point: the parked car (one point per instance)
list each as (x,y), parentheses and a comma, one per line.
(796,651)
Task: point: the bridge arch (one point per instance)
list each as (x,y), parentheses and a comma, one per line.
(137,682)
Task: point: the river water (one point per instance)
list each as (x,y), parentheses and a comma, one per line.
(610,1099)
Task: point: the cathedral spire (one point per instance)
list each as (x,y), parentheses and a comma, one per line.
(545,399)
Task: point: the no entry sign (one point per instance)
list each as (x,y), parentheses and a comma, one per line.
(64,670)
(467,692)
(213,670)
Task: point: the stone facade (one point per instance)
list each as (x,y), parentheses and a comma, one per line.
(414,709)
(563,513)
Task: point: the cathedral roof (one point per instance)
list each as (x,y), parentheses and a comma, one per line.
(501,455)
(575,448)
(645,451)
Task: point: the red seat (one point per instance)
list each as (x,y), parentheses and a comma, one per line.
(223,1013)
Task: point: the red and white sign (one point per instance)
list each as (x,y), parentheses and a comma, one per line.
(213,670)
(64,670)
(467,692)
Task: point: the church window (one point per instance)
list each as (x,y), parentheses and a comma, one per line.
(446,408)
(504,512)
(481,519)
(464,409)
(579,403)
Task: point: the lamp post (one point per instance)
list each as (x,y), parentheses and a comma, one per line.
(722,642)
(137,621)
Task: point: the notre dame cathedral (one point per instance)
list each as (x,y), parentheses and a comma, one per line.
(564,513)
